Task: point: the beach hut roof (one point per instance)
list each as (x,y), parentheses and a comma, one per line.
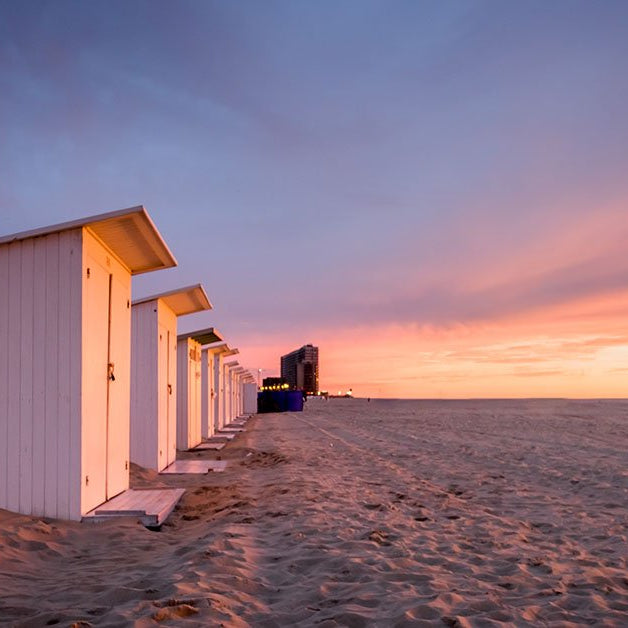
(129,234)
(182,300)
(232,364)
(222,347)
(202,336)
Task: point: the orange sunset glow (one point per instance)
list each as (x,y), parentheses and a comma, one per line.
(441,208)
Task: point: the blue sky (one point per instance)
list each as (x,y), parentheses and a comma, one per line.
(322,166)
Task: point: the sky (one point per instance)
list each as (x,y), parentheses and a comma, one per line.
(434,193)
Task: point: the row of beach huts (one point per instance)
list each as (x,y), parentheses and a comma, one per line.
(90,380)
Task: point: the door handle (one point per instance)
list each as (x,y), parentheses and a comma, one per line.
(169,389)
(110,374)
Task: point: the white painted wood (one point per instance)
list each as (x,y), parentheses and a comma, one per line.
(210,391)
(4,373)
(226,396)
(249,405)
(52,374)
(166,420)
(128,234)
(205,446)
(144,398)
(171,390)
(64,425)
(195,398)
(106,375)
(188,393)
(196,466)
(13,391)
(36,378)
(153,384)
(183,395)
(69,420)
(206,393)
(218,392)
(95,357)
(39,377)
(151,506)
(119,390)
(26,378)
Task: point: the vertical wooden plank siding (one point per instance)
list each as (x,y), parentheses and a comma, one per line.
(183,391)
(69,370)
(36,374)
(144,409)
(167,418)
(50,356)
(39,377)
(14,352)
(172,399)
(75,247)
(26,378)
(218,392)
(212,392)
(205,393)
(249,393)
(195,415)
(4,373)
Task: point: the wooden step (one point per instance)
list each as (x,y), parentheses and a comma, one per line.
(151,506)
(196,466)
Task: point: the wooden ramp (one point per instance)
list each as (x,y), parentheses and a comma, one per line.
(150,506)
(231,429)
(208,445)
(196,466)
(223,435)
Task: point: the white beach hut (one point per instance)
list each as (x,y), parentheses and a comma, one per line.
(154,373)
(220,351)
(189,386)
(205,337)
(230,371)
(238,374)
(209,386)
(249,396)
(65,349)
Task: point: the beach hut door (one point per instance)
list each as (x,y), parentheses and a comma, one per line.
(167,400)
(119,388)
(106,375)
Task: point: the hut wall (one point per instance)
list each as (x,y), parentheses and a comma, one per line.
(40,375)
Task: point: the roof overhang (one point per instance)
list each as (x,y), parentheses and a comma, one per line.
(231,365)
(221,347)
(129,234)
(182,301)
(202,336)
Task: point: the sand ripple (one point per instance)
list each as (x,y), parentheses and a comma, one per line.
(359,514)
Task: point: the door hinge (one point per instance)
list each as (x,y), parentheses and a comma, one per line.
(126,465)
(87,480)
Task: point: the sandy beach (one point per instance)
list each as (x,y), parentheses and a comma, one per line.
(356,513)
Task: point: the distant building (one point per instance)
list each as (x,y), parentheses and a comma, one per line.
(274,383)
(300,369)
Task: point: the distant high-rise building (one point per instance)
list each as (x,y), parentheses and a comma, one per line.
(300,369)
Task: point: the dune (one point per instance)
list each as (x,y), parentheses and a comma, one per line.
(469,513)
